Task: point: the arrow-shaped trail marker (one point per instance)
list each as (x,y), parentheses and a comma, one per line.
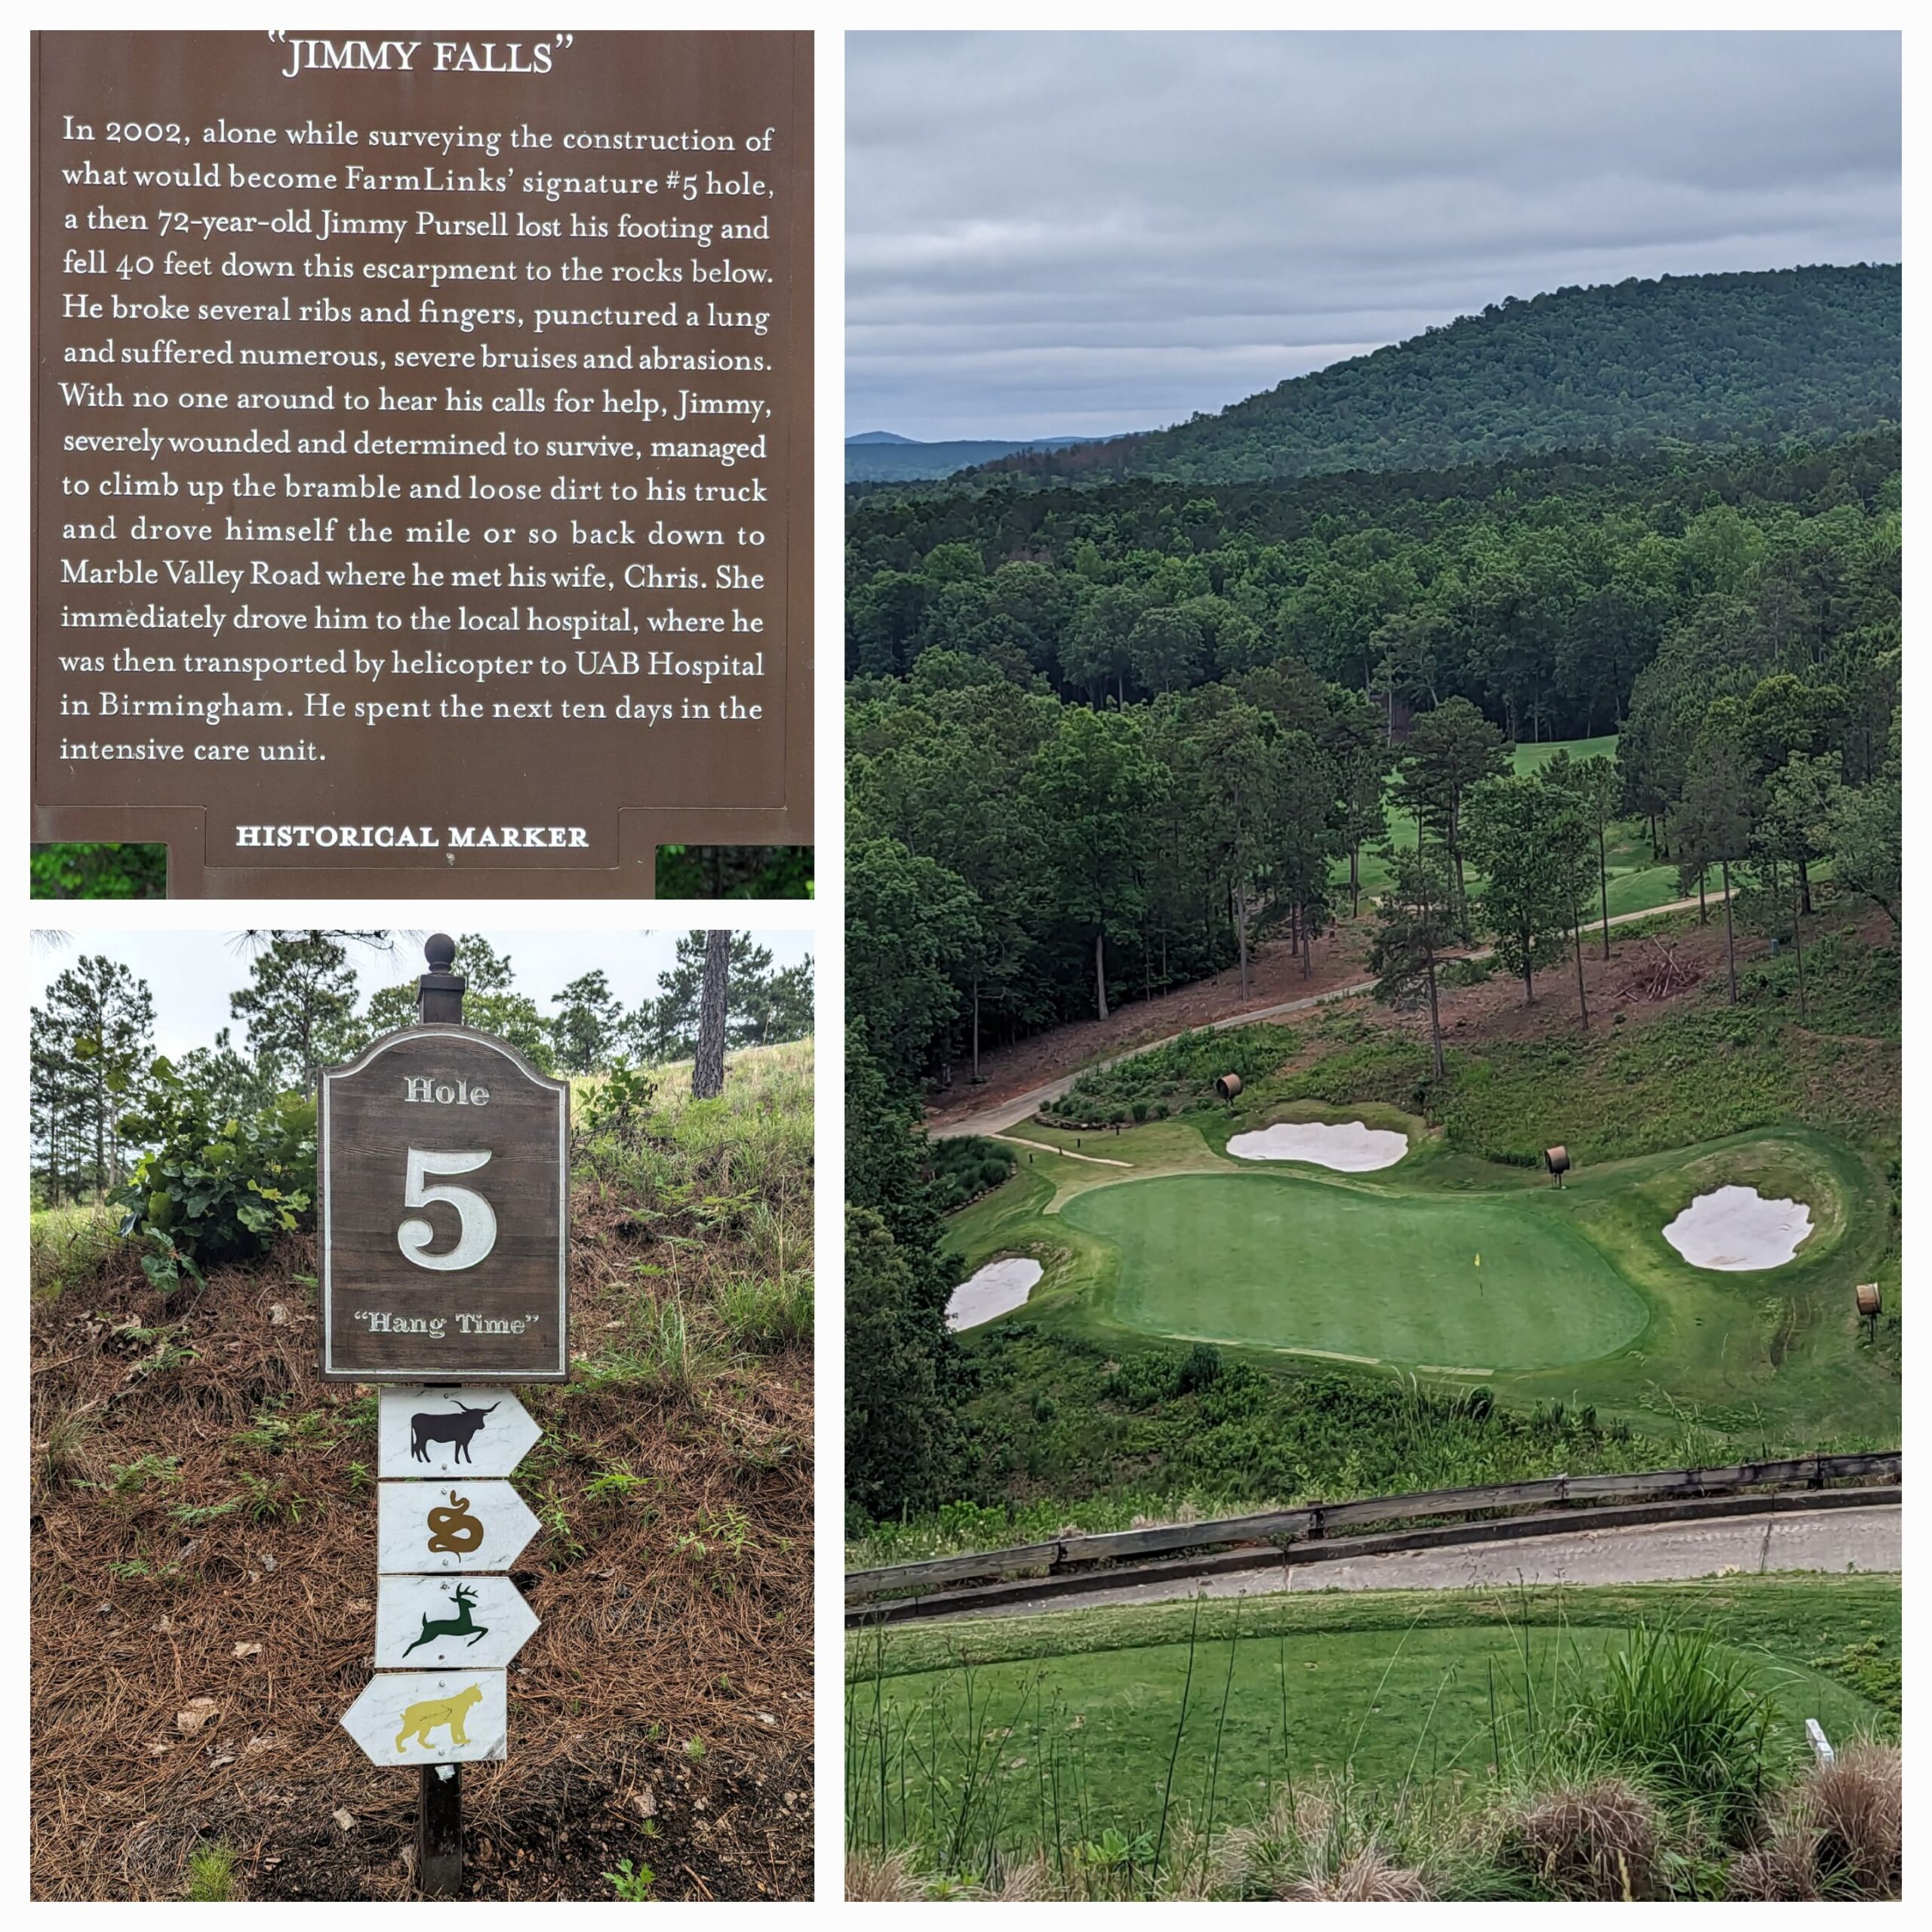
(446,1431)
(435,1527)
(430,1717)
(472,1623)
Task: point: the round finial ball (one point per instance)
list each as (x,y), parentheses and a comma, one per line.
(440,950)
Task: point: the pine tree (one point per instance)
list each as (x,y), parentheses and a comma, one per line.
(708,1063)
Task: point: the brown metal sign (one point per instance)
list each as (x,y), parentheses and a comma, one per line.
(444,1172)
(422,454)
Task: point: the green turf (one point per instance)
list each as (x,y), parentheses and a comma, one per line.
(1082,1709)
(1283,1261)
(1590,1304)
(1638,881)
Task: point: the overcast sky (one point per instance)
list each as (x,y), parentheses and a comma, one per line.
(192,974)
(1089,233)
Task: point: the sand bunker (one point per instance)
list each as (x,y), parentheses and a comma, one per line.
(1347,1145)
(1737,1228)
(998,1287)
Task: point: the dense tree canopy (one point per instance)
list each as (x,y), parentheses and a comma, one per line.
(1055,804)
(1537,591)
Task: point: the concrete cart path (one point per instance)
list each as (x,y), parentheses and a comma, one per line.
(1865,1539)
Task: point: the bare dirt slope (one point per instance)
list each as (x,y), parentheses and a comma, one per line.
(1016,1080)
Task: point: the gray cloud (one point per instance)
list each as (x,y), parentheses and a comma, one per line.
(1091,233)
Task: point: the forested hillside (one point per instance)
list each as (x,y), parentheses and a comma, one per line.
(1697,359)
(1099,742)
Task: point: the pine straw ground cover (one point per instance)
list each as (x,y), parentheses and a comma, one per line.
(203,1555)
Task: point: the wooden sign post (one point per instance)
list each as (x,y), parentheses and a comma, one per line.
(444,1185)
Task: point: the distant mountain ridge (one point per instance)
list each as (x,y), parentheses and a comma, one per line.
(1698,359)
(878,456)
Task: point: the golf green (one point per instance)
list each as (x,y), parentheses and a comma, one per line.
(1282,1261)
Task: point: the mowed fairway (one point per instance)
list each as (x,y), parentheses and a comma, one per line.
(1638,879)
(985,1733)
(1278,1261)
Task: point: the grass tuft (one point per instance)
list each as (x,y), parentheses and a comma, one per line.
(211,1875)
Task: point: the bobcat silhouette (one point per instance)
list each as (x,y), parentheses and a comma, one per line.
(419,1720)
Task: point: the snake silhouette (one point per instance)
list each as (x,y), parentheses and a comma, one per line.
(454,1531)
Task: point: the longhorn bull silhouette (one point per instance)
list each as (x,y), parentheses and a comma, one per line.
(435,1425)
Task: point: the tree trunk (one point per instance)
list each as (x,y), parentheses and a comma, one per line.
(708,1069)
(1241,934)
(1603,885)
(976,1031)
(1703,912)
(1582,1004)
(1804,884)
(1307,948)
(1797,946)
(1729,953)
(1100,972)
(1355,881)
(1434,1022)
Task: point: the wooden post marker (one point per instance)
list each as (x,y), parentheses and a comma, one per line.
(444,1187)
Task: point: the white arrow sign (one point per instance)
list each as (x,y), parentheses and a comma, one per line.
(430,1717)
(452,1433)
(424,1622)
(438,1527)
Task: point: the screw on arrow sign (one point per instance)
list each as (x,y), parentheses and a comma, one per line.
(422,1717)
(478,1622)
(428,1526)
(451,1432)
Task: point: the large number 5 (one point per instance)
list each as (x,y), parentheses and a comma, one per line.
(477,1233)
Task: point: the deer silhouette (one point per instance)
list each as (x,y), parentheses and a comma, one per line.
(460,1625)
(434,1426)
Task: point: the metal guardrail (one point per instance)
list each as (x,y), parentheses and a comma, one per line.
(1317,1520)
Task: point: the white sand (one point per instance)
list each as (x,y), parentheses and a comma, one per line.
(1347,1145)
(1737,1228)
(997,1288)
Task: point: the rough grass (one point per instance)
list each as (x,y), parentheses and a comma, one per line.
(68,1244)
(203,1556)
(1439,1732)
(1837,1833)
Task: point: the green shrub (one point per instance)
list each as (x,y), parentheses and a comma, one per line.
(216,1189)
(1147,1085)
(964,1168)
(618,1106)
(631,1883)
(1201,1370)
(1678,1708)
